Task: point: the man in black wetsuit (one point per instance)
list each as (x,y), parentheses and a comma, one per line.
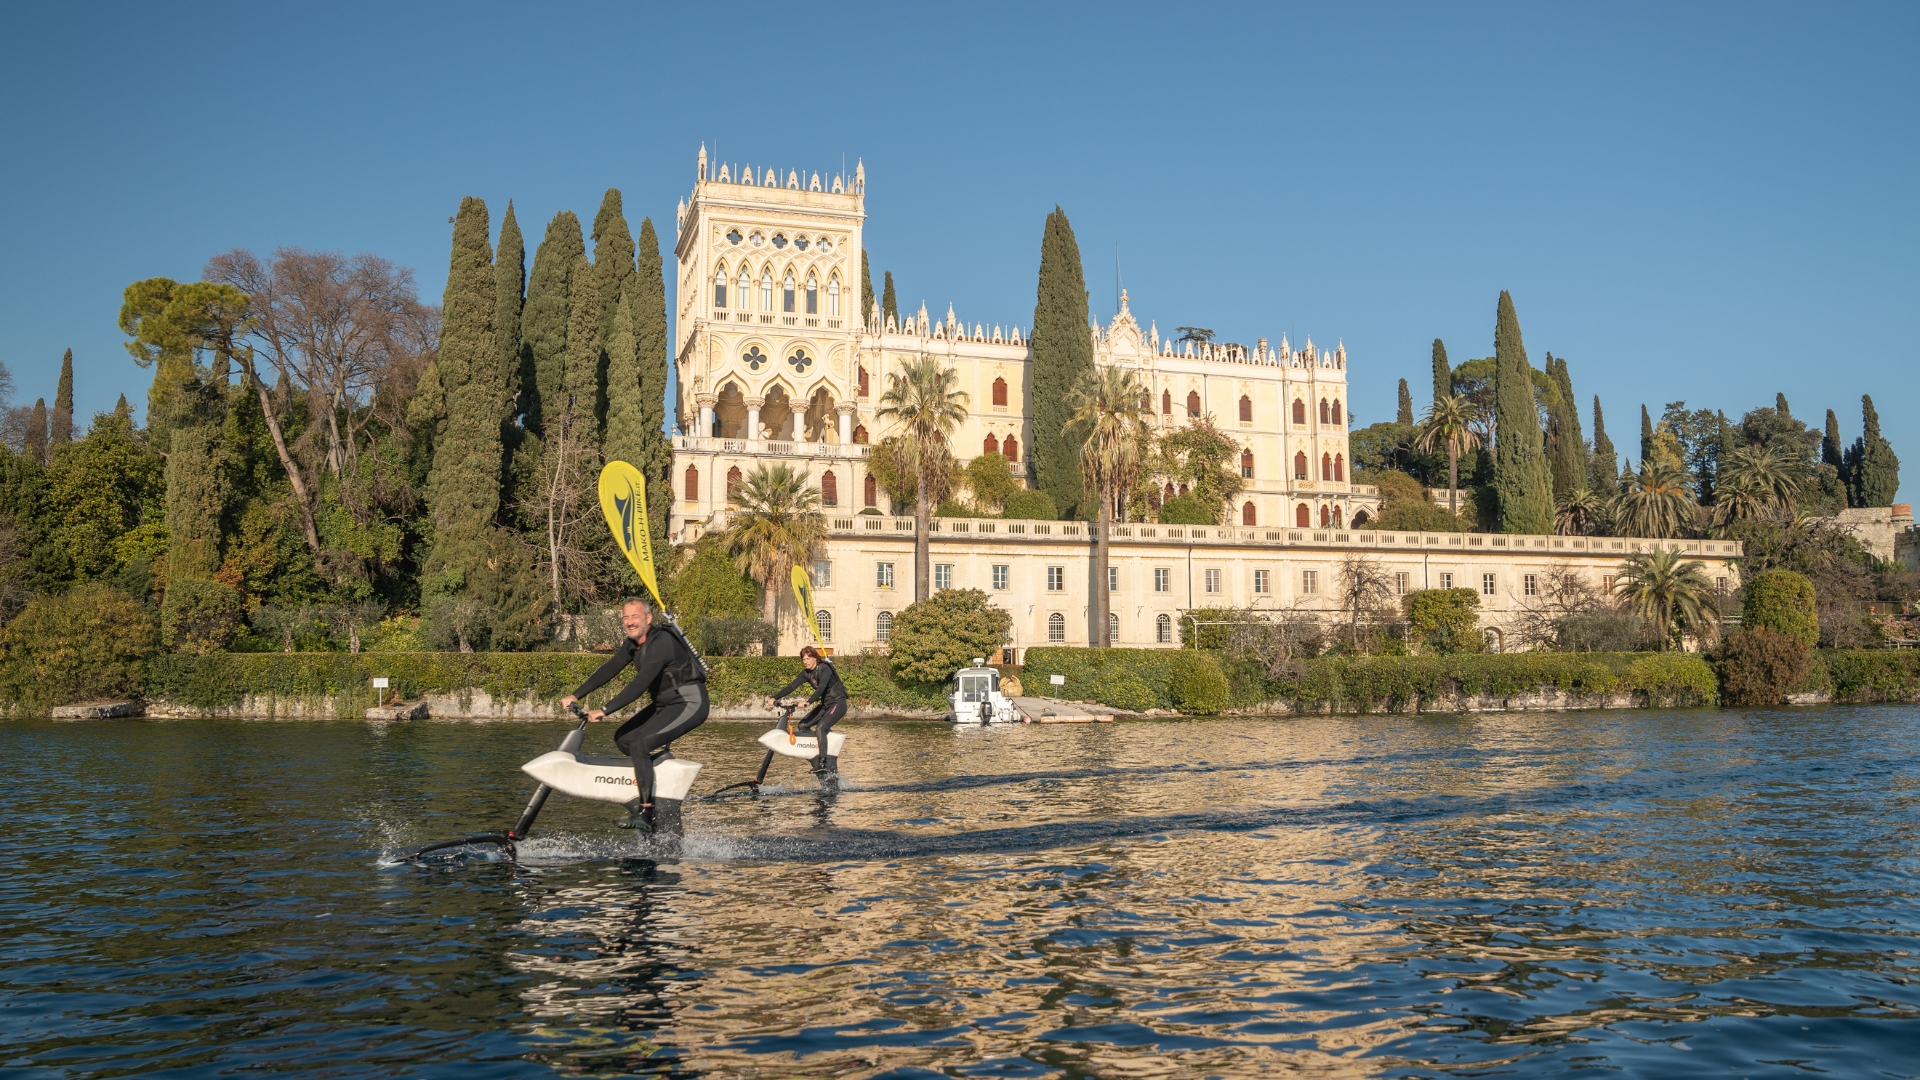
(664,665)
(829,699)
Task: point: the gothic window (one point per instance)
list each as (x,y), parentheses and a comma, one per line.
(1301,516)
(1011,448)
(1000,393)
(744,294)
(786,293)
(883,626)
(1113,628)
(813,294)
(860,434)
(833,296)
(1193,403)
(1323,515)
(1246,515)
(1169,491)
(1299,411)
(733,483)
(1183,489)
(872,492)
(1326,467)
(862,376)
(990,446)
(693,484)
(1246,409)
(1056,628)
(1336,410)
(1163,630)
(1300,465)
(1340,467)
(824,620)
(1336,517)
(766,289)
(1323,412)
(829,489)
(1166,402)
(1246,464)
(720,287)
(754,359)
(1146,401)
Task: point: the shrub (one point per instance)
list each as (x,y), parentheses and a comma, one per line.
(1123,689)
(93,642)
(1029,505)
(1446,620)
(732,635)
(1418,515)
(1758,666)
(707,583)
(200,616)
(1781,601)
(991,478)
(1186,510)
(1602,631)
(1196,683)
(945,632)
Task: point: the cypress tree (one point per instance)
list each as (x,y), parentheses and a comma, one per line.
(1566,444)
(196,489)
(1442,372)
(889,311)
(625,428)
(463,487)
(581,381)
(1404,414)
(612,266)
(649,317)
(1873,471)
(62,432)
(1830,450)
(1646,435)
(1780,406)
(1601,477)
(1522,482)
(509,296)
(543,326)
(866,290)
(36,439)
(1062,353)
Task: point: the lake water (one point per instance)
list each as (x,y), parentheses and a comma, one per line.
(1624,893)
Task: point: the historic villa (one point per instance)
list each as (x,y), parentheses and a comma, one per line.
(775,361)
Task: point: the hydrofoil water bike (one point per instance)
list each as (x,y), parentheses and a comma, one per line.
(788,739)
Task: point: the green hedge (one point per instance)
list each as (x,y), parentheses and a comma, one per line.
(225,678)
(1867,675)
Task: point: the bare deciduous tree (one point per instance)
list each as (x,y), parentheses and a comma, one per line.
(1561,592)
(1366,589)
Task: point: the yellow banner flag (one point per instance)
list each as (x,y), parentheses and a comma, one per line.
(803,592)
(623,498)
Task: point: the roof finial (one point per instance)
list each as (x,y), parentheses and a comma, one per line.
(703,161)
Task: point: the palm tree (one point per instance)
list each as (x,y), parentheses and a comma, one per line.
(1658,503)
(1106,405)
(924,399)
(776,525)
(1669,594)
(1754,482)
(1450,423)
(1579,513)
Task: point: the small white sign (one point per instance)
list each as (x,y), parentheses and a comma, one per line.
(380,682)
(1057,680)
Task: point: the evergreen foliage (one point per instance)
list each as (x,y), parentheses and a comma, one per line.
(613,265)
(1760,666)
(1403,414)
(35,442)
(1522,482)
(1782,601)
(1566,446)
(889,309)
(62,432)
(1062,354)
(579,395)
(1602,478)
(1830,445)
(1029,505)
(509,297)
(1872,470)
(937,636)
(866,290)
(707,584)
(649,316)
(1442,372)
(196,495)
(110,487)
(543,328)
(1646,436)
(91,643)
(1445,620)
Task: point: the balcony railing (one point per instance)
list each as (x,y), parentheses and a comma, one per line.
(762,448)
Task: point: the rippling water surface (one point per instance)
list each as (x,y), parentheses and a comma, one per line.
(1603,893)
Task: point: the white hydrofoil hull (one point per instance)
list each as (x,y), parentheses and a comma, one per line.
(804,746)
(609,779)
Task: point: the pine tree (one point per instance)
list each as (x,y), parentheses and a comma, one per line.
(1830,448)
(543,327)
(62,432)
(1646,435)
(1404,414)
(1601,477)
(1566,446)
(866,290)
(1062,352)
(1873,471)
(35,443)
(889,311)
(463,488)
(1522,482)
(650,342)
(1442,373)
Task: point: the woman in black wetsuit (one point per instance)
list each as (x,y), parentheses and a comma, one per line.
(829,699)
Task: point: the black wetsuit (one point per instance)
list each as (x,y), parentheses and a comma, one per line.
(829,701)
(665,667)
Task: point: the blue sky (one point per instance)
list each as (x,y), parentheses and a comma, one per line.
(1698,202)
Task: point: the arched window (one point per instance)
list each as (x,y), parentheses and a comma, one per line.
(1153,497)
(1300,465)
(1056,628)
(1336,410)
(1163,630)
(883,626)
(824,620)
(1246,409)
(786,293)
(1323,411)
(1183,489)
(1336,517)
(1246,515)
(860,434)
(743,294)
(693,484)
(1340,467)
(1113,628)
(1246,464)
(766,289)
(862,376)
(1299,411)
(1360,519)
(1011,448)
(1302,517)
(1146,401)
(829,489)
(1326,467)
(991,445)
(1169,491)
(1000,393)
(833,296)
(872,492)
(720,287)
(1193,403)
(1166,402)
(1323,515)
(733,483)
(813,294)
